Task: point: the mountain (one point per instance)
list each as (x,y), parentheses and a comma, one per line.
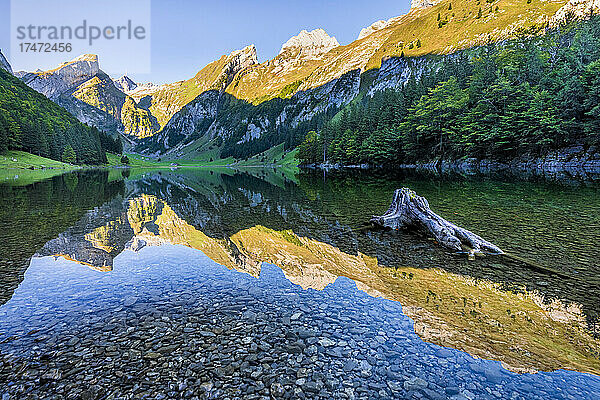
(4,63)
(68,75)
(83,89)
(165,100)
(31,122)
(125,84)
(312,78)
(309,45)
(121,105)
(529,102)
(375,26)
(243,107)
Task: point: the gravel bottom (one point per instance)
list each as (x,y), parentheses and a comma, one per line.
(168,323)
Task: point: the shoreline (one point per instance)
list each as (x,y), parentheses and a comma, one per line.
(573,162)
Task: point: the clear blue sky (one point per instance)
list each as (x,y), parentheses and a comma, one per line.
(187,35)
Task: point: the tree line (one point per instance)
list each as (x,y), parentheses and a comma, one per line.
(523,97)
(31,122)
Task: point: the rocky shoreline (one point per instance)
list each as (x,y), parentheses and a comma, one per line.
(573,162)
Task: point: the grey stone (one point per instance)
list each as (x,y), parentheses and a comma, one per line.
(415,383)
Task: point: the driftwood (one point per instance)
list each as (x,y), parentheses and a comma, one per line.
(408,210)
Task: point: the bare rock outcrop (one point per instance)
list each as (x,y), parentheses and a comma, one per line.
(66,76)
(4,64)
(575,10)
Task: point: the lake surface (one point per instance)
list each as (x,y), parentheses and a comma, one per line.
(265,284)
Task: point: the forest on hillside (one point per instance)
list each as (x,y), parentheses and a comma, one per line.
(31,122)
(504,100)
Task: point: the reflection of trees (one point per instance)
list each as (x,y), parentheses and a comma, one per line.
(206,210)
(34,214)
(332,209)
(448,309)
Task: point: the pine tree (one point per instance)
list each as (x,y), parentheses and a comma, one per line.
(68,155)
(3,135)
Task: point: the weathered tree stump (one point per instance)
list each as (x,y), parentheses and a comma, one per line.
(408,210)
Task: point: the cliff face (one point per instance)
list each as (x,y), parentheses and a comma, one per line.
(83,89)
(101,93)
(210,117)
(53,83)
(4,64)
(125,84)
(236,98)
(166,100)
(309,45)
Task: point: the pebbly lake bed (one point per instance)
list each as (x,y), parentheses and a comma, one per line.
(200,283)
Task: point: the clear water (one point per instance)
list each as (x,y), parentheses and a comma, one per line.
(194,283)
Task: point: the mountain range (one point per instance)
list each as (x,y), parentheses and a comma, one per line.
(241,107)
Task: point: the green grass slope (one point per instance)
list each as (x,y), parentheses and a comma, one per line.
(21,168)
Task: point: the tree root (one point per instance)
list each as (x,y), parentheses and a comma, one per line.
(408,210)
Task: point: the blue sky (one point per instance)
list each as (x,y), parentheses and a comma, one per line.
(186,35)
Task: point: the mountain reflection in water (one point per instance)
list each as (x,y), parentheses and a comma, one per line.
(493,308)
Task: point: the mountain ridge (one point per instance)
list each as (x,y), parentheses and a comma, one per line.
(313,89)
(312,64)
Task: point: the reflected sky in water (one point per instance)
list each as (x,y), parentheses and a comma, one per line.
(59,301)
(231,280)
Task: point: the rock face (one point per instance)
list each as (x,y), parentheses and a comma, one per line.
(310,45)
(202,110)
(364,32)
(125,84)
(577,9)
(83,89)
(66,76)
(313,77)
(235,62)
(4,63)
(206,114)
(420,4)
(239,100)
(165,100)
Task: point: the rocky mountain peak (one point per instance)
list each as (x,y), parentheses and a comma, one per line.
(235,62)
(246,56)
(374,27)
(66,76)
(420,4)
(310,44)
(125,84)
(4,63)
(86,57)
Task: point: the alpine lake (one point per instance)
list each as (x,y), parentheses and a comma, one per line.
(266,284)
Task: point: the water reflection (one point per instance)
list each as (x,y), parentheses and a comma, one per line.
(448,309)
(308,229)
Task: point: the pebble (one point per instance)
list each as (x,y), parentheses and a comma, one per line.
(204,332)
